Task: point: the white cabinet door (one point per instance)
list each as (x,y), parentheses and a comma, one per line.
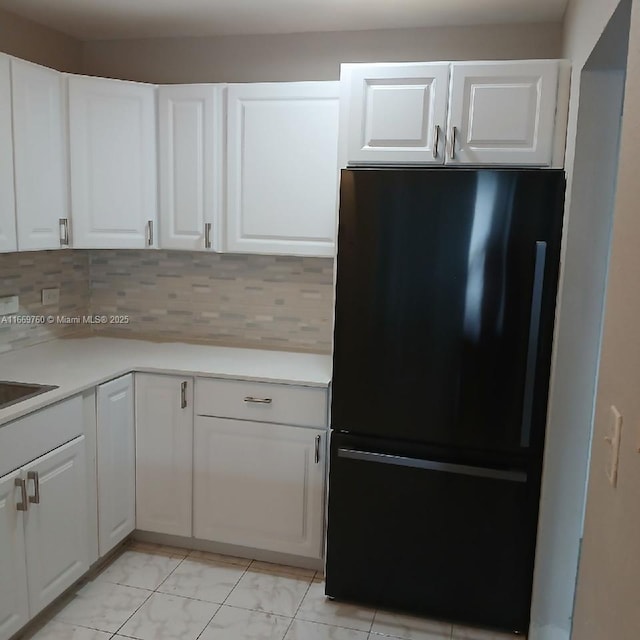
(502,113)
(116,462)
(40,152)
(112,133)
(164,453)
(14,602)
(259,485)
(56,530)
(190,163)
(282,168)
(8,238)
(395,113)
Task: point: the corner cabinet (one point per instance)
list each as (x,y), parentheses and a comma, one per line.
(190,153)
(112,137)
(8,238)
(164,453)
(282,168)
(116,462)
(40,156)
(507,113)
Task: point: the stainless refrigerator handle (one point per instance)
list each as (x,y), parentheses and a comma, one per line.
(532,348)
(432,465)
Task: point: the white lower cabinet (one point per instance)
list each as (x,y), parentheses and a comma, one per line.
(56,530)
(259,485)
(164,453)
(14,603)
(43,533)
(116,460)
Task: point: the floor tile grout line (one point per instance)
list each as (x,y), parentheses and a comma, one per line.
(299,605)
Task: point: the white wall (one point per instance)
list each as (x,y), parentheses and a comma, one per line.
(309,56)
(609,577)
(587,226)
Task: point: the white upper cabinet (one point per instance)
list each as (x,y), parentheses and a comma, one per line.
(113,163)
(395,112)
(8,239)
(40,155)
(282,168)
(190,164)
(502,113)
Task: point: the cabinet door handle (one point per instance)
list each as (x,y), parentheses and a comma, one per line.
(24,504)
(258,400)
(207,235)
(317,454)
(64,226)
(454,135)
(436,136)
(183,395)
(35,498)
(150,233)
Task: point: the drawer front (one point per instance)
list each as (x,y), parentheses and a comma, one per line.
(261,402)
(34,435)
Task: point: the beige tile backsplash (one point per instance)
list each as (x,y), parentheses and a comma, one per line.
(235,300)
(239,300)
(25,275)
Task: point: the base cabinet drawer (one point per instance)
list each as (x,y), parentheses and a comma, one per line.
(262,402)
(259,485)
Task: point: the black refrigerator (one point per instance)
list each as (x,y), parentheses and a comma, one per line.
(445,303)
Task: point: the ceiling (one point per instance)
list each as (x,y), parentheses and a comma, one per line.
(114,19)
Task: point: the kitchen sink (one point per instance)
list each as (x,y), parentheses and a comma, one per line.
(12,392)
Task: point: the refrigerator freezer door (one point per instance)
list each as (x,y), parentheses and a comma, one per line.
(445,305)
(452,541)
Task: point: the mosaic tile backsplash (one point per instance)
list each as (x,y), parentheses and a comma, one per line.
(25,275)
(235,300)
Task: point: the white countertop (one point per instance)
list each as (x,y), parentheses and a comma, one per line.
(76,364)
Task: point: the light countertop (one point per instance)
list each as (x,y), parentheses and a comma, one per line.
(77,364)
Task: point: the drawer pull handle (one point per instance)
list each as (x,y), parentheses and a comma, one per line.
(317,456)
(24,504)
(183,395)
(35,498)
(258,400)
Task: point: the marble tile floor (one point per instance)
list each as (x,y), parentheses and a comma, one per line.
(152,592)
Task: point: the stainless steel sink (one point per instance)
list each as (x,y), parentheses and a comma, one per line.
(12,392)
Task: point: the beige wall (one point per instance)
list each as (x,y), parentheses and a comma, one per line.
(30,41)
(310,56)
(609,577)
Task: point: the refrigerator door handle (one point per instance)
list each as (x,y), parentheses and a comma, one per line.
(432,465)
(532,349)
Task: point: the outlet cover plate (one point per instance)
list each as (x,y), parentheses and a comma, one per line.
(50,296)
